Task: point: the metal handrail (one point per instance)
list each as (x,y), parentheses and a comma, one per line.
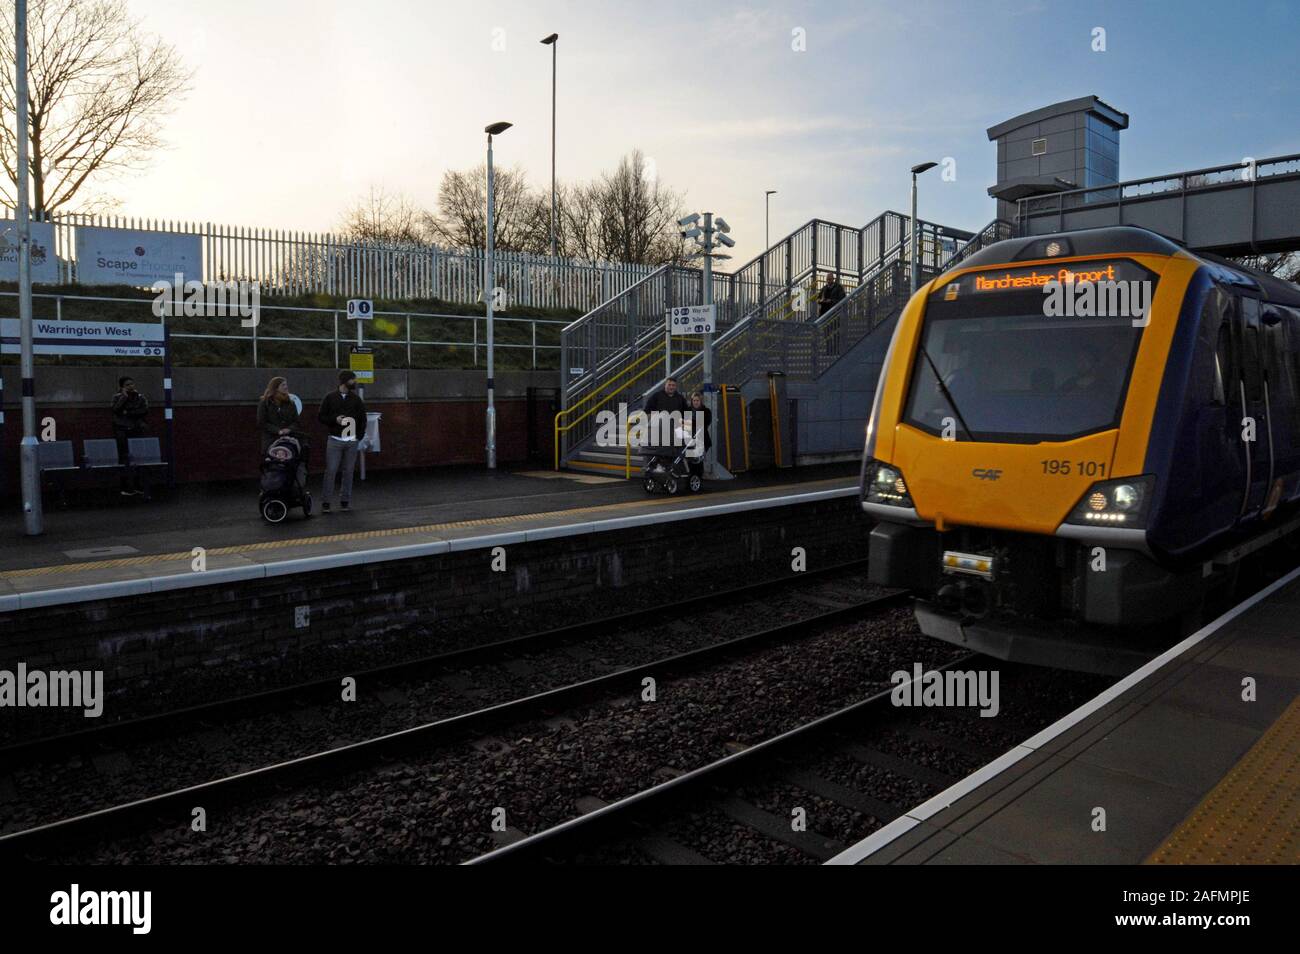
(1118,191)
(613,388)
(996,231)
(887,259)
(560,430)
(821,246)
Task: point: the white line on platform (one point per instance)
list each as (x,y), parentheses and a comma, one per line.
(101,591)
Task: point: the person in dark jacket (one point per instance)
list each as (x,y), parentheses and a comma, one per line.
(662,403)
(130,408)
(832,294)
(344,415)
(700,416)
(277,416)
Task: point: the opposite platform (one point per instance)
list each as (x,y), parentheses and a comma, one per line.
(137,548)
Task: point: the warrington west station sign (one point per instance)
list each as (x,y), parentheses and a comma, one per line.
(122,339)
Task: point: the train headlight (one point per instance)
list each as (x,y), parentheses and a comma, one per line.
(883,484)
(1127,497)
(1115,503)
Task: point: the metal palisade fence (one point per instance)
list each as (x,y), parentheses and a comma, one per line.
(296,263)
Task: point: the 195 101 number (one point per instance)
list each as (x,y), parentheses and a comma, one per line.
(1085,468)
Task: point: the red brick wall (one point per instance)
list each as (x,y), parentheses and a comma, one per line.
(220,442)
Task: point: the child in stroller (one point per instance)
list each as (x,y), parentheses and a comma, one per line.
(671,468)
(284,483)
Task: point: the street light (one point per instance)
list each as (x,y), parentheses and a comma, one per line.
(489,279)
(33,518)
(916,171)
(551,41)
(767,218)
(708,231)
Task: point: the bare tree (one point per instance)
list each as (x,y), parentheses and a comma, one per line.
(625,215)
(388,217)
(1284,265)
(578,224)
(637,213)
(520,218)
(98,87)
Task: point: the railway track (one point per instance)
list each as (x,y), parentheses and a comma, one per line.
(641,822)
(173,808)
(117,735)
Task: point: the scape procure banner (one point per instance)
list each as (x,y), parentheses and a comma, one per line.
(133,257)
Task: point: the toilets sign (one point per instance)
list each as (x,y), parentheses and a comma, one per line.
(692,320)
(122,339)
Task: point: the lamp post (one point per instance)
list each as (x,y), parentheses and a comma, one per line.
(767,218)
(33,518)
(916,171)
(708,231)
(489,294)
(552,42)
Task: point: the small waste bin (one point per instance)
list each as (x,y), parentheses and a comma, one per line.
(371,441)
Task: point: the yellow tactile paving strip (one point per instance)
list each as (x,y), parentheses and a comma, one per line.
(607,509)
(1253,815)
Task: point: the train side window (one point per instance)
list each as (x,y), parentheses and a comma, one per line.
(1222,364)
(1252,351)
(1226,369)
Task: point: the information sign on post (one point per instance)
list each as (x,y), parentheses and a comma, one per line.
(362,364)
(693,320)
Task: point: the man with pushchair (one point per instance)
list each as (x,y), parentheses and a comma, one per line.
(675,457)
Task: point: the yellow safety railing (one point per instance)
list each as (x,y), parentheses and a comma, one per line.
(601,393)
(627,443)
(634,372)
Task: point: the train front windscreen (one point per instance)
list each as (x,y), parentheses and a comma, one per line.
(1029,354)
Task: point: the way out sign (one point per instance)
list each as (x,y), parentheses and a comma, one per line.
(693,320)
(361,308)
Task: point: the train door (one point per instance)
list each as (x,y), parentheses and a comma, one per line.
(1253,400)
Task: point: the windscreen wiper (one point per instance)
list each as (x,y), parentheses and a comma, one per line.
(943,388)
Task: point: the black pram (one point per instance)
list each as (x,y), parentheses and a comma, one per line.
(284,480)
(671,468)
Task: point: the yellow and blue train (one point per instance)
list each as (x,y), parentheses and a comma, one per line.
(1077,438)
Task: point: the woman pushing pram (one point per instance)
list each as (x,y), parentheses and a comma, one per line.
(681,463)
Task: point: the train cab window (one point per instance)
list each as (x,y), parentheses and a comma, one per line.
(1000,370)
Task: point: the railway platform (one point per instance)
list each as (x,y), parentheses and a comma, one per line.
(133,547)
(1192,759)
(196,597)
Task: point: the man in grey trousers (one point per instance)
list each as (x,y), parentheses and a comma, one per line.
(344,415)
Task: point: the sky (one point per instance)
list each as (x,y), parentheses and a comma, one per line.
(299,107)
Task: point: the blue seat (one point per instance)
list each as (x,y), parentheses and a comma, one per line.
(56,458)
(144,452)
(100,453)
